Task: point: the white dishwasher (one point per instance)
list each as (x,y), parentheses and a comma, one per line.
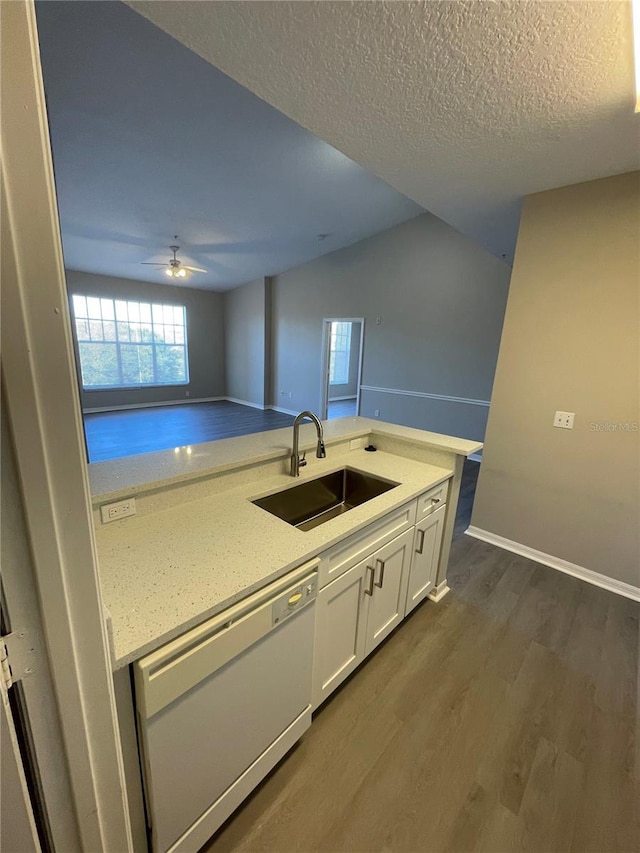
(218,707)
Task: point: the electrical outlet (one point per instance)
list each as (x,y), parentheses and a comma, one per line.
(564,420)
(291,395)
(117,510)
(355,444)
(376,413)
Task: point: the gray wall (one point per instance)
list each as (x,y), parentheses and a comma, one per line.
(440,300)
(245,317)
(205,336)
(570,343)
(350,389)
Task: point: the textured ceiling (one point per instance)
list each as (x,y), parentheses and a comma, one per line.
(149,140)
(463,106)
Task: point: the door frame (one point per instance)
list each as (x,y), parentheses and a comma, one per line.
(45,421)
(324,361)
(18,821)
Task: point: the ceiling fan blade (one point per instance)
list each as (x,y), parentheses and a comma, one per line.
(153,264)
(193,269)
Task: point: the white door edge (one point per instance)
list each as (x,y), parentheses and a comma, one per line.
(42,402)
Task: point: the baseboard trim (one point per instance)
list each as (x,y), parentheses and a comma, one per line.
(245,403)
(123,406)
(595,578)
(283,411)
(439,592)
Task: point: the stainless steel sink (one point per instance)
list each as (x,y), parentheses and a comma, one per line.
(312,503)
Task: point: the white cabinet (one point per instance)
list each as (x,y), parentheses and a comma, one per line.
(432,500)
(370,581)
(360,545)
(340,631)
(357,611)
(426,554)
(388,571)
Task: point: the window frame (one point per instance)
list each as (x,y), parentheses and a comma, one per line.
(118,343)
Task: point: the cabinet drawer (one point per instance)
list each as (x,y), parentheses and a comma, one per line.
(350,551)
(432,500)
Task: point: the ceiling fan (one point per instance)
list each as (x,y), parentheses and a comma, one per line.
(174,268)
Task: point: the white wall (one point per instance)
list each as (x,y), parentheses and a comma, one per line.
(440,300)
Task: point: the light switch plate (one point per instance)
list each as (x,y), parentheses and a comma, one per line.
(564,420)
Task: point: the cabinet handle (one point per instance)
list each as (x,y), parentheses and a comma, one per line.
(369,591)
(381,581)
(435,501)
(421,545)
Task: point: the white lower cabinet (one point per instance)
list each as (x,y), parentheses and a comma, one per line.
(388,568)
(426,555)
(340,631)
(357,611)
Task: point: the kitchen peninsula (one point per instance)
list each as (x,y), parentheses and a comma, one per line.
(183,556)
(225,611)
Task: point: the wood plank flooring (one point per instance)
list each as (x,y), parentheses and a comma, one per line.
(341,408)
(111,435)
(502,719)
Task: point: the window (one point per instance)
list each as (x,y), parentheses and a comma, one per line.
(126,344)
(339,353)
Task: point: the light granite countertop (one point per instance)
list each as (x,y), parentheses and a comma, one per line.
(121,478)
(164,572)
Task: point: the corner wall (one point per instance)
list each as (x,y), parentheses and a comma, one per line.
(245,318)
(205,338)
(570,343)
(440,301)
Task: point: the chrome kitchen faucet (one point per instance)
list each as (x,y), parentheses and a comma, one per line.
(298,462)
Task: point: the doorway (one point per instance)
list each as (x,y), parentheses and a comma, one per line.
(342,350)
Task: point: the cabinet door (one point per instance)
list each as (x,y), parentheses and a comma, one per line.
(425,557)
(386,607)
(341,611)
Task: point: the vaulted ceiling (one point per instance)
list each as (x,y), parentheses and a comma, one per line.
(463,106)
(250,128)
(149,140)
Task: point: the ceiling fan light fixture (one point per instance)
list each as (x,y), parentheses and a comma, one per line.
(174,268)
(175,271)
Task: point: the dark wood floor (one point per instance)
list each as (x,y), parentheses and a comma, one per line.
(502,719)
(110,435)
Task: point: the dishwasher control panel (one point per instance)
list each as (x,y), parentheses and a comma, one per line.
(294,599)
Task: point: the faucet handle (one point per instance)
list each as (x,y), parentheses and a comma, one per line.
(302,461)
